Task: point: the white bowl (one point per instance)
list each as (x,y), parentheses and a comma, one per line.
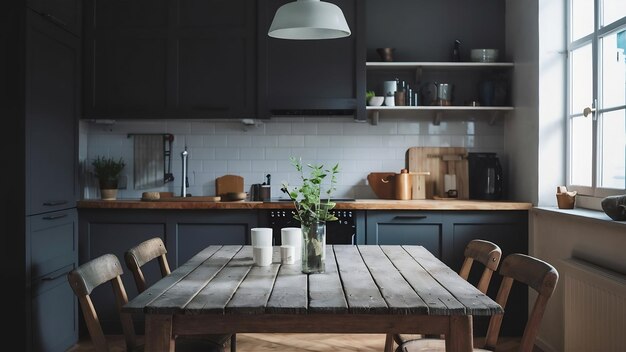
(484,55)
(376,101)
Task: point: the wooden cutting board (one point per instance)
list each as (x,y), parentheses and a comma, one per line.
(228,184)
(440,161)
(382,189)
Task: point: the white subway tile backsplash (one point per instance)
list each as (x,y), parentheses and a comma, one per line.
(236,166)
(229,147)
(215,140)
(252,153)
(239,141)
(226,153)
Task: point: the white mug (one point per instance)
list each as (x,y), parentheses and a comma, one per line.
(287,254)
(261,237)
(262,256)
(292,236)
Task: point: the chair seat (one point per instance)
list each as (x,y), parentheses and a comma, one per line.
(428,345)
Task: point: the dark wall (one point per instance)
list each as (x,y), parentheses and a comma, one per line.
(425,30)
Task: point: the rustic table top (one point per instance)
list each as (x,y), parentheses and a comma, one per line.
(365,279)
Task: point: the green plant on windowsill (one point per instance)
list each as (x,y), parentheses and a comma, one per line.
(108,171)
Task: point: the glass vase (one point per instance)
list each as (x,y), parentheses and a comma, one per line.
(313,247)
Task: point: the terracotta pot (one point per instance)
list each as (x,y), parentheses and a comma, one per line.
(108,193)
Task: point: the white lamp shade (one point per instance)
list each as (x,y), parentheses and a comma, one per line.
(309,19)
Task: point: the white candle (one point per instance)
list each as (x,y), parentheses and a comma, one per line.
(261,237)
(292,236)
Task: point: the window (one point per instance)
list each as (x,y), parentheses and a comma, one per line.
(597,97)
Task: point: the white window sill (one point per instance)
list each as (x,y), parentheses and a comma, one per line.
(582,214)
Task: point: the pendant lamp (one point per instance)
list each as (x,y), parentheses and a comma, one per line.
(309,19)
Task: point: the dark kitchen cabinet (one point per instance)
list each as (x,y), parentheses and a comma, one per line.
(170,59)
(446,233)
(196,230)
(39,99)
(311,77)
(52,103)
(406,227)
(184,234)
(64,13)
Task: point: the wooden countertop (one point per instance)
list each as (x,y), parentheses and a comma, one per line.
(359,204)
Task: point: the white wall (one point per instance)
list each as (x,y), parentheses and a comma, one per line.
(228,147)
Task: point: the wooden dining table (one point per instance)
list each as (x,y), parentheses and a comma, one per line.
(364,289)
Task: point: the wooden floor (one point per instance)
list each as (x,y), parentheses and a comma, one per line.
(299,343)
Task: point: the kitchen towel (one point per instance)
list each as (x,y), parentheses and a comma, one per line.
(149,160)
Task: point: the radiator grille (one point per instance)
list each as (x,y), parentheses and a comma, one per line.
(595,308)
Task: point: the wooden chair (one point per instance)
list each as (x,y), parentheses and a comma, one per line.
(485,252)
(152,249)
(537,274)
(98,271)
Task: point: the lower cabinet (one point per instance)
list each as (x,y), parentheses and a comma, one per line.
(446,233)
(184,233)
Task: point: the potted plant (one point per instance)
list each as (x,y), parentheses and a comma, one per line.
(107,171)
(312,212)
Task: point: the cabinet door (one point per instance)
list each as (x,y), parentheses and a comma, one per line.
(410,228)
(509,230)
(53,313)
(64,13)
(52,102)
(115,232)
(195,231)
(311,75)
(216,58)
(52,242)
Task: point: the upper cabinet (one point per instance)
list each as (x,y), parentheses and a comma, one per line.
(312,77)
(64,13)
(170,59)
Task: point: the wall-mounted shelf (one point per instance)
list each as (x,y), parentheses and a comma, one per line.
(420,66)
(492,111)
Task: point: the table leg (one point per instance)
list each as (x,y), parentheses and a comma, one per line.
(460,337)
(159,333)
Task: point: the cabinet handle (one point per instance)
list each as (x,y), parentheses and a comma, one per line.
(409,217)
(55,19)
(54,217)
(54,277)
(54,202)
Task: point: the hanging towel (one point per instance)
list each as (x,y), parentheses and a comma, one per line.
(149,162)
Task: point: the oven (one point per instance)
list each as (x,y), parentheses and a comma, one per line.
(341,231)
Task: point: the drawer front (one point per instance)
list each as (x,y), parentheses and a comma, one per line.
(54,313)
(53,242)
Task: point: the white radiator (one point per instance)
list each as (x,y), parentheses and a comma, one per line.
(595,308)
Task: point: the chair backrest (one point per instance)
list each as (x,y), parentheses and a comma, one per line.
(538,275)
(84,280)
(143,253)
(486,253)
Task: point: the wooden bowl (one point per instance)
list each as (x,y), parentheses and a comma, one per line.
(235,196)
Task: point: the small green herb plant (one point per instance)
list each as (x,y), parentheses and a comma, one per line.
(369,95)
(108,171)
(307,197)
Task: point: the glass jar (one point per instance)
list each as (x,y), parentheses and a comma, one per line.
(313,247)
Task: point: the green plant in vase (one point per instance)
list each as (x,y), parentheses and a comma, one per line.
(108,171)
(312,212)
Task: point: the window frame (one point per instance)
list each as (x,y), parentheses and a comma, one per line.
(594,39)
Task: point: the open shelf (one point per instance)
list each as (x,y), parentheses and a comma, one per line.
(437,111)
(445,65)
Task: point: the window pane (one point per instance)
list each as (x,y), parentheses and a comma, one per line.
(582,18)
(582,76)
(613,10)
(613,72)
(581,151)
(613,149)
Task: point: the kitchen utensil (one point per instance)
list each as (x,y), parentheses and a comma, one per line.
(438,93)
(383,184)
(485,176)
(484,55)
(386,54)
(228,183)
(440,161)
(390,87)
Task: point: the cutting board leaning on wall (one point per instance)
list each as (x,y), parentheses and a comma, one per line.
(440,161)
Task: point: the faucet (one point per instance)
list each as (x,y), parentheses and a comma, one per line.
(185,181)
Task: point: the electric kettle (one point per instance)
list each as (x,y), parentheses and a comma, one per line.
(485,176)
